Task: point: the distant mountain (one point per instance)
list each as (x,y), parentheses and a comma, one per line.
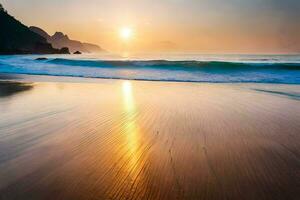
(92,47)
(40,31)
(16,38)
(59,40)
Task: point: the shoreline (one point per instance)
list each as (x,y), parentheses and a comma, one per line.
(58,78)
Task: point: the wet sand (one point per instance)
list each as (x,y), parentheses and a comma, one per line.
(116,139)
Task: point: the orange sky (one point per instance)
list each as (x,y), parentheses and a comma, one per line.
(256,26)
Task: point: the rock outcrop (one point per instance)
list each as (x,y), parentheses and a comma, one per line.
(77,52)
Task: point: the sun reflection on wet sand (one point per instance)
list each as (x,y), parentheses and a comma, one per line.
(129,105)
(130,126)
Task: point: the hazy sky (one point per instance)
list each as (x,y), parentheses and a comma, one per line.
(207,26)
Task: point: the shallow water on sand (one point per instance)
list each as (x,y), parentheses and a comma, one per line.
(149,140)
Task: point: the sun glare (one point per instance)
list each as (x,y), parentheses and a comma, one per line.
(126,33)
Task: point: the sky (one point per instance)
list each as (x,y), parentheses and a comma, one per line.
(202,26)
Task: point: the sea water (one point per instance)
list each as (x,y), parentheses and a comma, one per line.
(162,67)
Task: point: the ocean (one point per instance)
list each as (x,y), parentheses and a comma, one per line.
(283,69)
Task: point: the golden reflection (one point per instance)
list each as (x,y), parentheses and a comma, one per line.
(128,98)
(130,127)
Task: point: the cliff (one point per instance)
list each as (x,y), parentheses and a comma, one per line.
(16,38)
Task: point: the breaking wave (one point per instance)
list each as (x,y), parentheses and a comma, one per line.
(259,71)
(178,65)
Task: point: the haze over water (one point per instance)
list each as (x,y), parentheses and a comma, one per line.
(214,26)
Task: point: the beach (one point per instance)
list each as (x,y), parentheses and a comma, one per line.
(86,139)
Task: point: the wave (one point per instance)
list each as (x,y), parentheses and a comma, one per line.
(269,71)
(179,65)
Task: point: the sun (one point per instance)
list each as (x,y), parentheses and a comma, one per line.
(126,33)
